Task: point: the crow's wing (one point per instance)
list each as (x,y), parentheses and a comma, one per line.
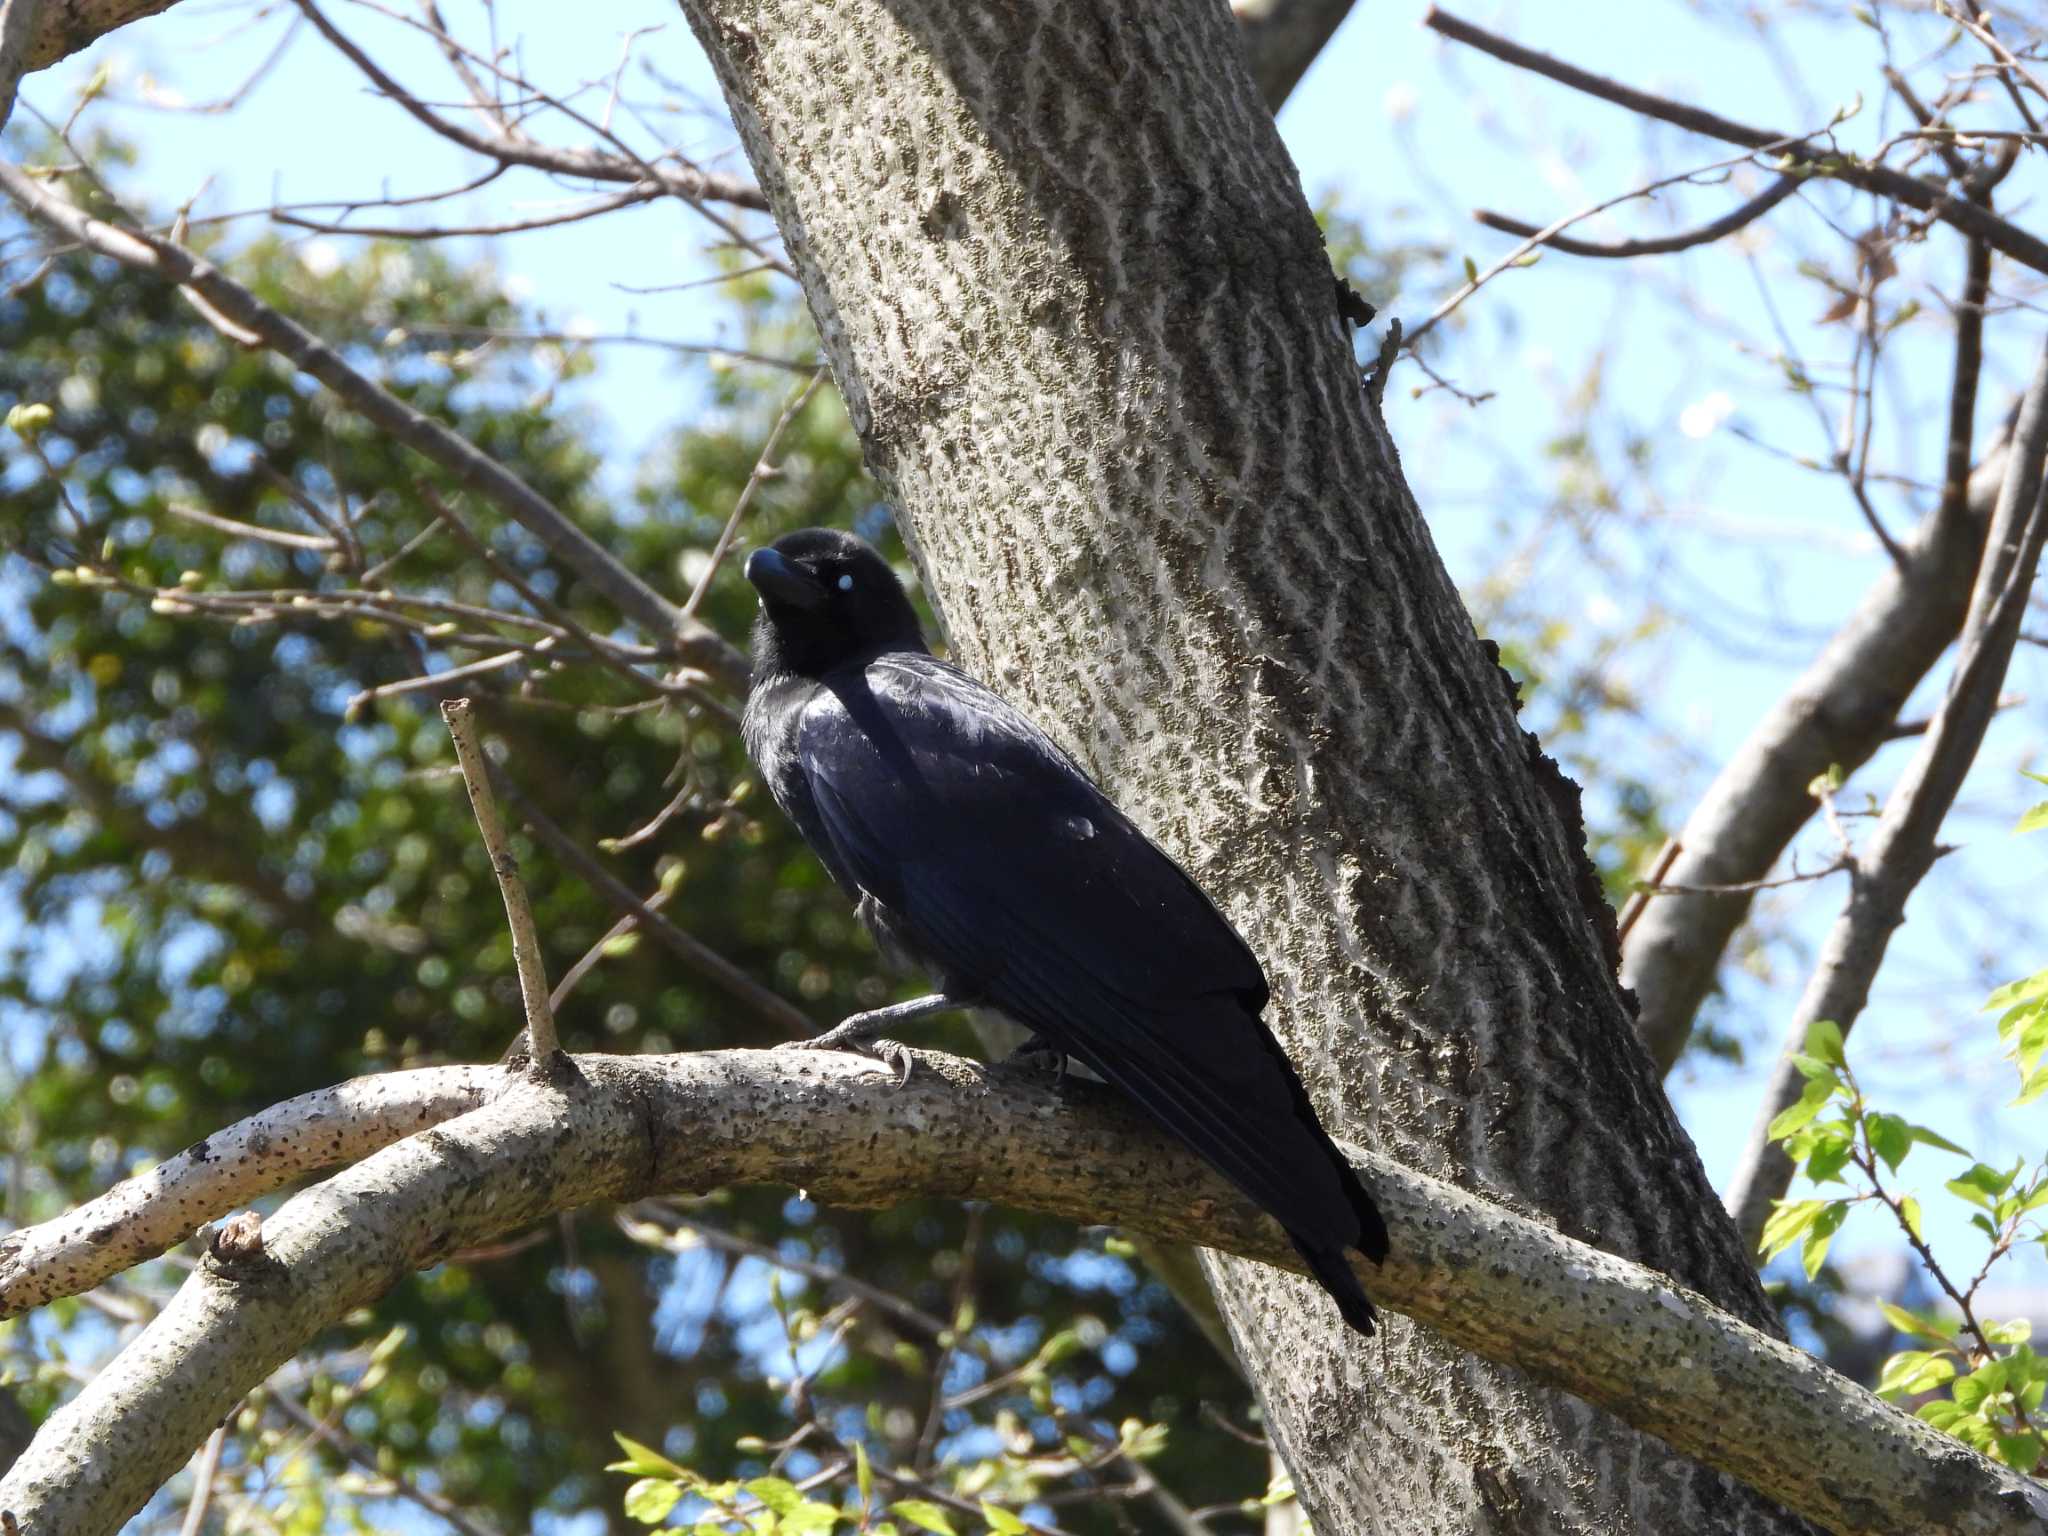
(1002,867)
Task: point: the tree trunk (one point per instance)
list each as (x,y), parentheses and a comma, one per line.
(1083,320)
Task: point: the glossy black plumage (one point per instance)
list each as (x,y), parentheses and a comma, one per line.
(974,846)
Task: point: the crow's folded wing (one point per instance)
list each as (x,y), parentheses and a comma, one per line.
(999,864)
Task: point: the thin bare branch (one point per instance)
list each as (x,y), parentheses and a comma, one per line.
(764,468)
(533,974)
(1798,153)
(320,542)
(1658,245)
(686,182)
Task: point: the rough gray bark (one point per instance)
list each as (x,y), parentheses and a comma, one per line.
(17,34)
(1836,713)
(1084,323)
(616,1128)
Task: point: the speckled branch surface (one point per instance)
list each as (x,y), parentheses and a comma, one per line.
(143,1216)
(617,1128)
(1084,322)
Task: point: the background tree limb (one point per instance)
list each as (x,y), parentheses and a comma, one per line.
(1902,849)
(1283,37)
(1837,714)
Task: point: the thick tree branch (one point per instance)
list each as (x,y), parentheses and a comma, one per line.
(1509,1288)
(1839,711)
(17,31)
(1903,848)
(470,467)
(154,1211)
(1283,37)
(63,27)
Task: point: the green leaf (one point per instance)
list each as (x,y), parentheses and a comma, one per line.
(1890,1138)
(779,1494)
(2034,820)
(647,1461)
(924,1515)
(1788,1222)
(1942,1413)
(2021,1452)
(650,1500)
(1001,1521)
(1814,1070)
(1824,1042)
(2024,990)
(1909,1209)
(1796,1116)
(1913,1372)
(1928,1138)
(1907,1322)
(1471,270)
(1821,1234)
(864,1476)
(1981,1186)
(1829,1157)
(2018,1331)
(810,1518)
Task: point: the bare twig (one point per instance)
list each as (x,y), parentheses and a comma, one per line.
(688,183)
(1659,245)
(587,961)
(202,1483)
(764,468)
(310,541)
(1903,847)
(354,1450)
(1522,254)
(533,976)
(783,1017)
(1971,218)
(431,680)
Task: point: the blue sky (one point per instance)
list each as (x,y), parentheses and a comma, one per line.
(1758,556)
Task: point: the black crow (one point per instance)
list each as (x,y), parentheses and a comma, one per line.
(974,846)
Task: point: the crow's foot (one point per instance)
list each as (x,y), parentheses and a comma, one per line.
(861,1032)
(1039,1055)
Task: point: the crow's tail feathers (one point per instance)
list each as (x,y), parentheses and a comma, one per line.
(1333,1271)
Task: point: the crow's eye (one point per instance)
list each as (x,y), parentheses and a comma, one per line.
(846,583)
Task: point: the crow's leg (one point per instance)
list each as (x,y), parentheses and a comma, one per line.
(861,1031)
(1039,1054)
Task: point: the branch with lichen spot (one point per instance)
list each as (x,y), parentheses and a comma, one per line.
(1501,1285)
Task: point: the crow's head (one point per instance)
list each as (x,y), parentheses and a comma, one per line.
(826,598)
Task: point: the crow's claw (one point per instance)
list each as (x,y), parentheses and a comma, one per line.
(1039,1055)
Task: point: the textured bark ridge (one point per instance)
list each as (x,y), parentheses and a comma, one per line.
(1084,322)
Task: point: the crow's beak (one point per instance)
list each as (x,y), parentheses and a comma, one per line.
(782,581)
